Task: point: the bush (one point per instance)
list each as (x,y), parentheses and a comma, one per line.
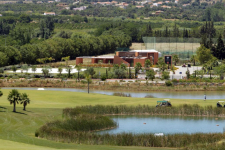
(103,77)
(169,83)
(175,81)
(1,70)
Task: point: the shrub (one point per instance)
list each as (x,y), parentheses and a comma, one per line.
(169,83)
(103,77)
(175,81)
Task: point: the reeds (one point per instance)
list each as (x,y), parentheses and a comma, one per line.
(80,123)
(184,110)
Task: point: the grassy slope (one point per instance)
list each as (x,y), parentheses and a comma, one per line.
(18,128)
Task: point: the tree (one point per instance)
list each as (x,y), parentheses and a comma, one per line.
(34,68)
(24,67)
(148,63)
(68,69)
(188,74)
(220,70)
(150,74)
(116,66)
(14,68)
(138,66)
(66,59)
(14,97)
(120,73)
(175,59)
(203,54)
(165,75)
(46,70)
(60,70)
(24,18)
(123,66)
(24,100)
(78,67)
(194,59)
(90,71)
(88,78)
(161,64)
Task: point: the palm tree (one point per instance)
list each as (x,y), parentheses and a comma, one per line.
(14,97)
(88,78)
(78,67)
(176,59)
(25,100)
(194,59)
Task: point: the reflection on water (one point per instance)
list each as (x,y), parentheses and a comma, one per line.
(166,124)
(183,95)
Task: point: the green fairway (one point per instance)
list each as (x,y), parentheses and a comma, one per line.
(17,129)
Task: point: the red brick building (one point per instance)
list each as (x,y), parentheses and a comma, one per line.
(128,58)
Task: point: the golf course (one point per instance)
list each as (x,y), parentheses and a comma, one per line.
(17,130)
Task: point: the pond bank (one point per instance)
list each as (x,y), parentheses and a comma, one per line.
(115,86)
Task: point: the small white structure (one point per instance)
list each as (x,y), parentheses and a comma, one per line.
(158,134)
(80,8)
(49,13)
(40,89)
(0,15)
(147,51)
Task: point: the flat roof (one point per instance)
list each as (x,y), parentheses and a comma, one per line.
(150,50)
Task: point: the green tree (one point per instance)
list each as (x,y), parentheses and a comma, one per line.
(90,71)
(88,78)
(14,68)
(24,18)
(203,54)
(220,70)
(45,70)
(14,97)
(25,100)
(66,59)
(150,74)
(60,70)
(194,59)
(68,69)
(161,64)
(123,66)
(78,67)
(175,59)
(115,66)
(34,68)
(148,63)
(165,75)
(188,74)
(24,67)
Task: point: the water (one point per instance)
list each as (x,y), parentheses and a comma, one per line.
(179,95)
(166,125)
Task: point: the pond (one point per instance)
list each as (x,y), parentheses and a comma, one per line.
(166,124)
(164,94)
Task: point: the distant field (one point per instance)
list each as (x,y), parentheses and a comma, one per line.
(17,129)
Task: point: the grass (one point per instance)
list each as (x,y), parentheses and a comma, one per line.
(18,128)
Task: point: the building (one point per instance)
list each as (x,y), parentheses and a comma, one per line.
(129,58)
(80,8)
(49,13)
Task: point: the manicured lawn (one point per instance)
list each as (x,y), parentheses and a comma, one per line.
(17,129)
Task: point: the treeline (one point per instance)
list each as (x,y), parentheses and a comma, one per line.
(61,47)
(208,32)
